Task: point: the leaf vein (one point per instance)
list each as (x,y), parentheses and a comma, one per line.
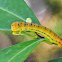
(22,51)
(12,13)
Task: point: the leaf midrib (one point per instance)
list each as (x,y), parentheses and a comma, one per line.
(12,13)
(23,50)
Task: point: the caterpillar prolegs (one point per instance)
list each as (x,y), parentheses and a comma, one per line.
(17,27)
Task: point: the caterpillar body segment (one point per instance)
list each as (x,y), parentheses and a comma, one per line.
(17,27)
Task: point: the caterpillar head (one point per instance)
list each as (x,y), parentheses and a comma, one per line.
(15,26)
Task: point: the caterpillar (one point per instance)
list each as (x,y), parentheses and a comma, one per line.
(17,27)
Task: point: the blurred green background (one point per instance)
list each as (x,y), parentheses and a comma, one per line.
(49,13)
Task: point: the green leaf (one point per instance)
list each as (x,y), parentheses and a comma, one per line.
(14,10)
(56,60)
(47,41)
(31,35)
(18,52)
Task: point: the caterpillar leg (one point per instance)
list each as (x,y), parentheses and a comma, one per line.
(16,33)
(59,45)
(51,41)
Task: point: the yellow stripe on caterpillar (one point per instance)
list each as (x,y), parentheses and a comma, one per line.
(17,27)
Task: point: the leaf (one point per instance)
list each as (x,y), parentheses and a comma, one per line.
(47,41)
(56,60)
(14,10)
(31,35)
(18,52)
